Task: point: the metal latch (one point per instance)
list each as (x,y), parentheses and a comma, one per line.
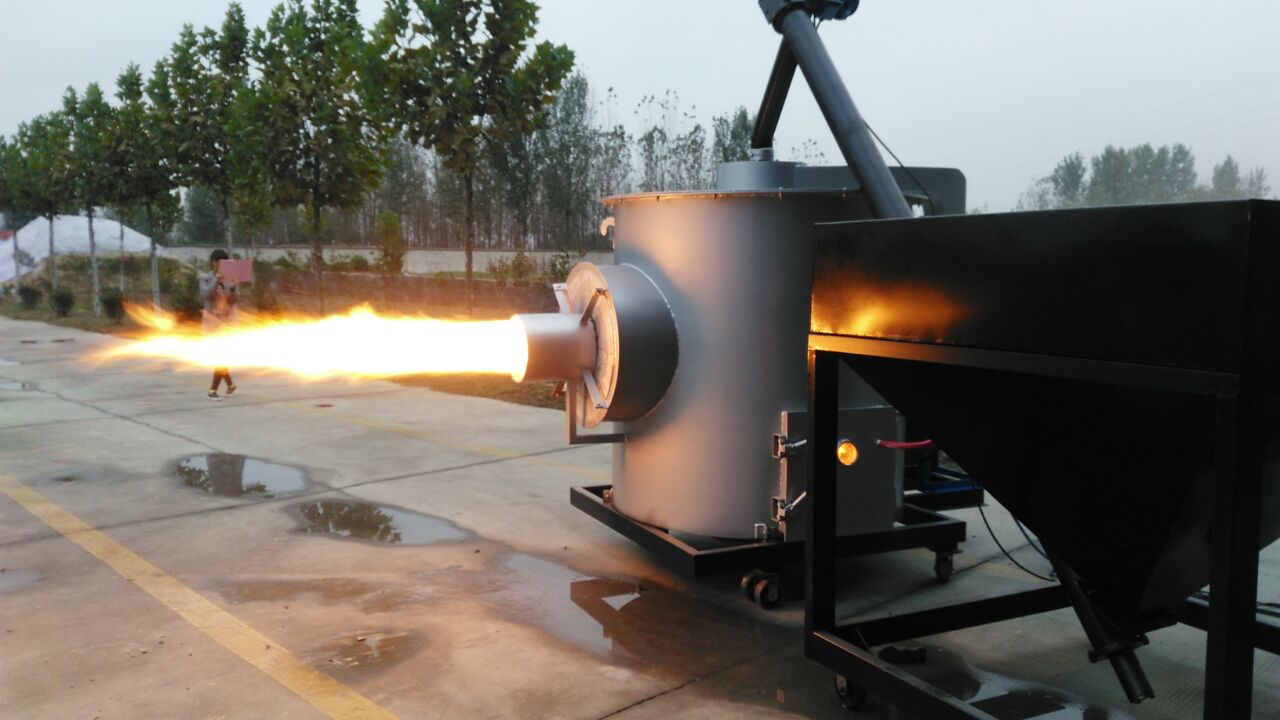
(782,448)
(779,508)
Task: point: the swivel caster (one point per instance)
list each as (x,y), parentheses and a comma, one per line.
(763,588)
(943,566)
(852,697)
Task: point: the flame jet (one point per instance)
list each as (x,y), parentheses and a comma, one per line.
(602,310)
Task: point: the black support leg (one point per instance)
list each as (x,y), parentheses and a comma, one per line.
(1233,586)
(820,533)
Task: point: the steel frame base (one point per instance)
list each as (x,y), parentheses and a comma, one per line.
(1229,617)
(919,528)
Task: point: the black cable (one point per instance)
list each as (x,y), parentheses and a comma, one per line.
(1006,552)
(1030,542)
(892,154)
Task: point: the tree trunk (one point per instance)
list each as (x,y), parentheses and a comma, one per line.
(53,260)
(226,225)
(93,268)
(122,258)
(155,265)
(317,251)
(470,244)
(17,267)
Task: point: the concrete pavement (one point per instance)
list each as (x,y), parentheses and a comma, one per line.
(494,597)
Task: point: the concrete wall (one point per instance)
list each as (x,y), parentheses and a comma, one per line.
(417,262)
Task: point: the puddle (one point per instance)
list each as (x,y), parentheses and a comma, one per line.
(379,523)
(1001,697)
(363,652)
(65,478)
(15,579)
(239,476)
(16,385)
(63,340)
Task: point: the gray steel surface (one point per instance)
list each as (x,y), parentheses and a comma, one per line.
(735,269)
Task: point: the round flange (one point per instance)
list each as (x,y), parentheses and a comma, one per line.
(636,347)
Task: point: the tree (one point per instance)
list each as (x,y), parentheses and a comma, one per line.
(146,148)
(320,145)
(48,185)
(567,149)
(731,136)
(91,136)
(205,72)
(1140,174)
(1068,180)
(455,77)
(10,187)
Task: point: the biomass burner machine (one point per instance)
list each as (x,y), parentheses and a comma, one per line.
(763,354)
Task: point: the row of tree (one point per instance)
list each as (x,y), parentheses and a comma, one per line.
(540,190)
(296,114)
(1140,174)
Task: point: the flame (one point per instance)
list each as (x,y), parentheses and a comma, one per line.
(358,344)
(899,310)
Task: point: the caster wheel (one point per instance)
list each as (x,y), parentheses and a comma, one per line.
(851,697)
(767,591)
(748,583)
(943,565)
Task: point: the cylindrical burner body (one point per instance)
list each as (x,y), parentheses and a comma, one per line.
(735,269)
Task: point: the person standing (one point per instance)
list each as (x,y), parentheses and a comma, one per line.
(219,311)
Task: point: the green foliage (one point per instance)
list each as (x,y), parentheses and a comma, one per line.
(113,304)
(48,183)
(731,136)
(205,71)
(10,181)
(62,300)
(203,223)
(561,263)
(390,239)
(360,263)
(263,296)
(519,269)
(453,76)
(29,296)
(92,130)
(186,296)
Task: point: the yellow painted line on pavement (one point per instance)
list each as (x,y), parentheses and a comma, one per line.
(326,694)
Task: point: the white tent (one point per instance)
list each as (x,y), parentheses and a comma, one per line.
(70,235)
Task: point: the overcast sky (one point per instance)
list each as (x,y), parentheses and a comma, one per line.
(1000,89)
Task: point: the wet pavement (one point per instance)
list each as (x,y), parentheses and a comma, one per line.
(356,520)
(231,475)
(420,549)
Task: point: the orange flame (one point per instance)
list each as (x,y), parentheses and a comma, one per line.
(898,310)
(358,344)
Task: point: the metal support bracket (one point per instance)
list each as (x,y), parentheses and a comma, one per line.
(571,414)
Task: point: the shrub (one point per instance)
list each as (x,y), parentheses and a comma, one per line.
(186,297)
(359,263)
(63,300)
(263,296)
(561,263)
(390,240)
(524,269)
(113,305)
(29,296)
